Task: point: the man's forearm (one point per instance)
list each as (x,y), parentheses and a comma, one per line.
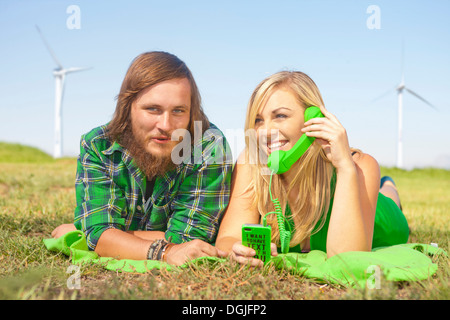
(124,245)
(147,235)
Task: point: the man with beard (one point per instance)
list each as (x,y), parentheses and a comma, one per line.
(133,201)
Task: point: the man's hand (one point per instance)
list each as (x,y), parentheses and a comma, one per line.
(178,254)
(181,253)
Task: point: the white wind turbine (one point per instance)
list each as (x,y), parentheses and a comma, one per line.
(400,89)
(59,73)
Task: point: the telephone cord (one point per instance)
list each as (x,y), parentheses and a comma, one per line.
(285,235)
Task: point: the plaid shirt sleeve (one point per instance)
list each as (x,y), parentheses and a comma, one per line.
(203,194)
(100,203)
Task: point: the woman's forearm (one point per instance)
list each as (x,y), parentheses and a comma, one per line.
(346,231)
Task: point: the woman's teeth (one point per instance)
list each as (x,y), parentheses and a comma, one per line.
(278,144)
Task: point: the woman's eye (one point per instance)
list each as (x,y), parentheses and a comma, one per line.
(281,116)
(257,121)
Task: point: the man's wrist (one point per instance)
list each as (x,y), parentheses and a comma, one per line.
(158,250)
(166,250)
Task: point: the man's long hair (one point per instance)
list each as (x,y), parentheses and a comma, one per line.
(146,70)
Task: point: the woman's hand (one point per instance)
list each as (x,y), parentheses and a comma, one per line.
(244,255)
(332,136)
(63,229)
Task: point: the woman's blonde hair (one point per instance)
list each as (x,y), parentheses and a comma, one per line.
(313,171)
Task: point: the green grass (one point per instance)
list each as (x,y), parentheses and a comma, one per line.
(38,195)
(17,153)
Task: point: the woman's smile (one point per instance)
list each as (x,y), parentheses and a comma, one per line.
(276,145)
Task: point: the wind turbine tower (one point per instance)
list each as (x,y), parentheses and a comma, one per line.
(60,74)
(400,89)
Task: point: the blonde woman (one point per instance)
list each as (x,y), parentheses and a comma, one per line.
(331,197)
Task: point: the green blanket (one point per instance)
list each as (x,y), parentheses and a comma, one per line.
(406,262)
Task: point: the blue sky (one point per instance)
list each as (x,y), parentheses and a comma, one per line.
(230,46)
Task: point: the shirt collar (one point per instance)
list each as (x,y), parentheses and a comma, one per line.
(114,147)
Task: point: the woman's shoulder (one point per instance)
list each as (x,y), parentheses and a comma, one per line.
(368,169)
(242,166)
(242,177)
(243,162)
(365,160)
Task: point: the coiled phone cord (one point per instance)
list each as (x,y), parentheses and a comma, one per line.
(285,235)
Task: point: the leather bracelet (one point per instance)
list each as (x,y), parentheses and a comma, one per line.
(165,250)
(156,249)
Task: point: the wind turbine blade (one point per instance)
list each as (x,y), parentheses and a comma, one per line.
(384,94)
(49,48)
(419,97)
(69,70)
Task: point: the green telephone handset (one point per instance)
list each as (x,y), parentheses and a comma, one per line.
(281,161)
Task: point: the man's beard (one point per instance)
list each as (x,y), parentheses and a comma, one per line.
(150,164)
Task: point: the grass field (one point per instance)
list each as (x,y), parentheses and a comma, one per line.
(37,194)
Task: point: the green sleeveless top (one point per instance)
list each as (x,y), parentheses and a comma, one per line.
(390,226)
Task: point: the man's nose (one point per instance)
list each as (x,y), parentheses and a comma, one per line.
(165,122)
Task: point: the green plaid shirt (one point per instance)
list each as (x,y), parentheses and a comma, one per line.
(187,203)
